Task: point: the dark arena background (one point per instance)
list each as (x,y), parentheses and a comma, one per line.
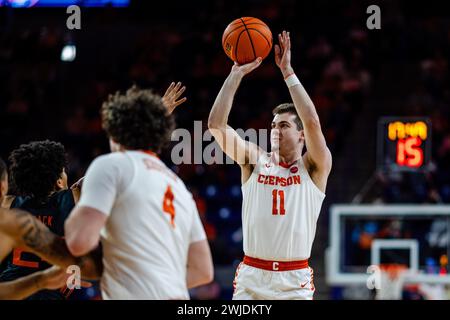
(382,95)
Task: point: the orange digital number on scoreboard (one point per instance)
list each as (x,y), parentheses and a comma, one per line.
(409,152)
(404,142)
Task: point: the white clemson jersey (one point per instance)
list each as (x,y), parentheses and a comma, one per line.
(280,208)
(152,220)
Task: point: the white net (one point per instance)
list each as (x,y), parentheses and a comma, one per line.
(392,279)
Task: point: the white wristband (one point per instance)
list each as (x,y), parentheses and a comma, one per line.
(292,80)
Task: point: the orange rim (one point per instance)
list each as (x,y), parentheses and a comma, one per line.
(393,269)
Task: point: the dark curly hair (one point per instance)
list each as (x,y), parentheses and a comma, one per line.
(3,170)
(35,168)
(137,120)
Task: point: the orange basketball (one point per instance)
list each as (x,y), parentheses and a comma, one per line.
(246,39)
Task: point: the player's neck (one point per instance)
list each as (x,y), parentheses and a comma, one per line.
(288,156)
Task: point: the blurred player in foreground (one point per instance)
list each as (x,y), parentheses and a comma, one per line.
(282,190)
(154,245)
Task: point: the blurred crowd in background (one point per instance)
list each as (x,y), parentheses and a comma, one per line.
(335,56)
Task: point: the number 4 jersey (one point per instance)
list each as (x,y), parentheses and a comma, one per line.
(152,220)
(280,208)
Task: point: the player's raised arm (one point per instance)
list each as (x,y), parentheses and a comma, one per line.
(171,98)
(231,143)
(318,153)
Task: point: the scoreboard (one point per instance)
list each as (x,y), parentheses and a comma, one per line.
(404,143)
(63,3)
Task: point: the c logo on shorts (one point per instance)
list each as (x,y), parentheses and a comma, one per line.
(275,266)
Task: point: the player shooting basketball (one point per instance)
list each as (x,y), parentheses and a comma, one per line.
(282,190)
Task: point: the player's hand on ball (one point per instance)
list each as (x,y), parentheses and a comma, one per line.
(171,97)
(283,53)
(245,69)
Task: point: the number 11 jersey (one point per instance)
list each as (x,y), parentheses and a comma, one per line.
(280,208)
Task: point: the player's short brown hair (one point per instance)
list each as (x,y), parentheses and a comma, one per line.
(288,108)
(137,120)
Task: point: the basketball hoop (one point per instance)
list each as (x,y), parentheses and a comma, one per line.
(391,281)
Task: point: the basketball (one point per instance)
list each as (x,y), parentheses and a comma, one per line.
(174,171)
(246,39)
